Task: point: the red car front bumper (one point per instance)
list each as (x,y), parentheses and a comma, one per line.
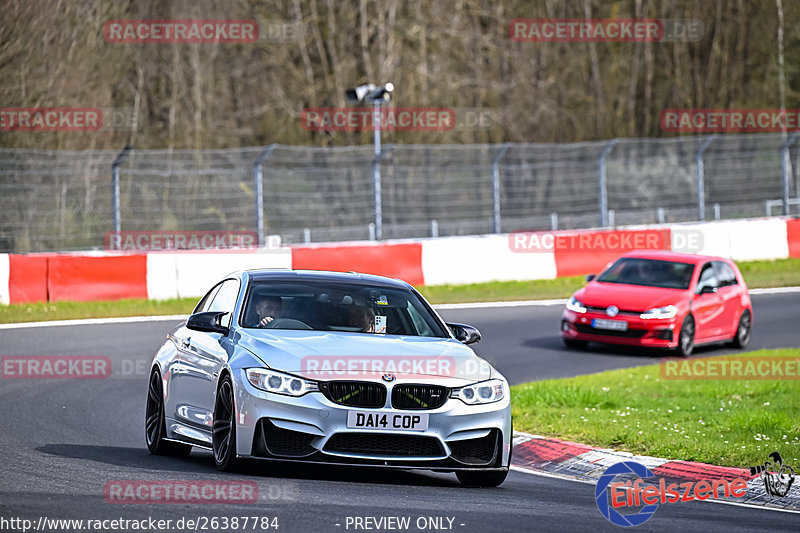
(656,333)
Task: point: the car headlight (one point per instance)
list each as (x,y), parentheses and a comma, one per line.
(575,305)
(668,311)
(489,391)
(279,383)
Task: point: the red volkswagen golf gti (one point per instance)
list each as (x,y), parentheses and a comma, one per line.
(661,300)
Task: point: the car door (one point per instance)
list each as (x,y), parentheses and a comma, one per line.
(706,307)
(729,298)
(202,356)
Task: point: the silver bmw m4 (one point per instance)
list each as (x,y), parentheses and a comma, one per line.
(328,367)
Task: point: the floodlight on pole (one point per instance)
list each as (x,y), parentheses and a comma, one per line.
(377,96)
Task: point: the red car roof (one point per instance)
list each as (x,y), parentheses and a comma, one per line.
(665,255)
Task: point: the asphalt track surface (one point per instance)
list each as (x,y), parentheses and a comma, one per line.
(62,440)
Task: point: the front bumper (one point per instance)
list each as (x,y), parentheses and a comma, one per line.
(654,333)
(312,428)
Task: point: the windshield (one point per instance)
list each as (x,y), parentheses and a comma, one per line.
(649,272)
(336,306)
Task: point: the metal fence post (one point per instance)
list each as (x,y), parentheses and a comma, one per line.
(603,182)
(496,187)
(116,215)
(376,190)
(701,179)
(785,171)
(259,179)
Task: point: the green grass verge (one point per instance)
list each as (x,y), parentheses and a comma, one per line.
(723,422)
(781,273)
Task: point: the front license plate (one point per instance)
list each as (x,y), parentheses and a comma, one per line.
(601,323)
(393,421)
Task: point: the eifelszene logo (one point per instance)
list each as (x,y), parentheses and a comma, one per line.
(633,494)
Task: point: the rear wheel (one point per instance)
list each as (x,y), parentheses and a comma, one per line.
(686,338)
(223,437)
(572,343)
(155,428)
(742,337)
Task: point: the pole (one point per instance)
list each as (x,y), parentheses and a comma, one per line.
(115,203)
(701,179)
(603,182)
(376,170)
(258,176)
(496,187)
(786,170)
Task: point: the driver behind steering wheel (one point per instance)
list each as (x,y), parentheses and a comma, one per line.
(268,308)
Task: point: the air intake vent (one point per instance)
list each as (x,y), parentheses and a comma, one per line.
(418,396)
(355,393)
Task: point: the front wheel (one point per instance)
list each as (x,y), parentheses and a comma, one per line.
(155,429)
(686,338)
(223,437)
(743,331)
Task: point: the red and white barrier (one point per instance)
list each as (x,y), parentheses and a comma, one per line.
(447,260)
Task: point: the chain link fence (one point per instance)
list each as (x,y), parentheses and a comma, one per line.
(66,200)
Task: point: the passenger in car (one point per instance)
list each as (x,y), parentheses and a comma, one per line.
(362,317)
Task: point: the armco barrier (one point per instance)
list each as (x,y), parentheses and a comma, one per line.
(475,259)
(80,278)
(479,259)
(401,260)
(27,278)
(793,237)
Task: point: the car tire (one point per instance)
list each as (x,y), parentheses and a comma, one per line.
(223,436)
(155,428)
(742,337)
(476,478)
(573,343)
(686,338)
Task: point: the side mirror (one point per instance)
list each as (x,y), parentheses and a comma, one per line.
(708,289)
(465,333)
(590,277)
(208,321)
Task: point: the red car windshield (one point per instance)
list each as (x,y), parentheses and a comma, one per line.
(649,273)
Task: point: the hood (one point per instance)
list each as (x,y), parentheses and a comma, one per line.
(325,355)
(628,297)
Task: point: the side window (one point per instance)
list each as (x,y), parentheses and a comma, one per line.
(225,300)
(707,278)
(419,323)
(206,300)
(725,274)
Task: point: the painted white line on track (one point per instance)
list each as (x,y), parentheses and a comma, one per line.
(94,321)
(469,305)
